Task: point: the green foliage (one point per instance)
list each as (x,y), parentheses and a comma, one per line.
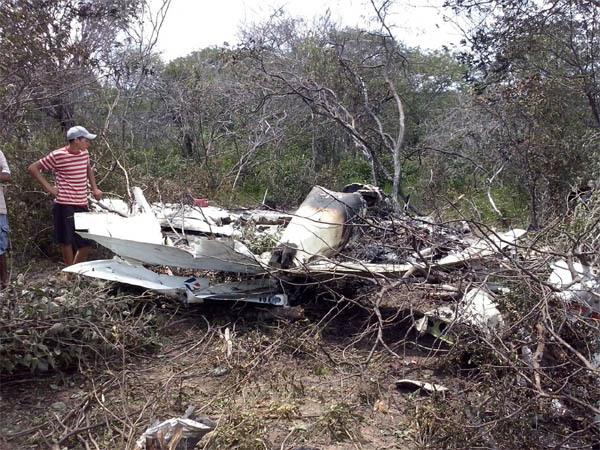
(509,201)
(29,207)
(160,162)
(287,177)
(257,241)
(50,50)
(55,328)
(529,114)
(353,169)
(240,429)
(429,89)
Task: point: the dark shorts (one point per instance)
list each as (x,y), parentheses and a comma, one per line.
(64,226)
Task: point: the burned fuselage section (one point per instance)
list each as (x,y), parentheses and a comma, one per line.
(319,228)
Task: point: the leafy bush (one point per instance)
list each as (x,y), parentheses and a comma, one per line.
(62,328)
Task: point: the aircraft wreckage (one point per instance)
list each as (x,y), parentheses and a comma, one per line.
(306,243)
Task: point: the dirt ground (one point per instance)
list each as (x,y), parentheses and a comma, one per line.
(308,377)
(99,363)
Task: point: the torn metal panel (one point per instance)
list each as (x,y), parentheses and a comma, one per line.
(485,246)
(135,275)
(210,214)
(481,248)
(422,386)
(141,202)
(262,291)
(477,307)
(115,205)
(432,323)
(194,289)
(349,267)
(579,285)
(267,217)
(141,227)
(138,228)
(139,238)
(208,254)
(192,224)
(215,221)
(320,227)
(208,220)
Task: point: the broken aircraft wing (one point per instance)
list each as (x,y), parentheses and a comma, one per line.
(224,255)
(192,289)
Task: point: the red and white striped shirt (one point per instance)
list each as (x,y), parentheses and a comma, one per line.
(70,172)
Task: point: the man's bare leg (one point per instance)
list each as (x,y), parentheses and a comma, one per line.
(81,255)
(67,254)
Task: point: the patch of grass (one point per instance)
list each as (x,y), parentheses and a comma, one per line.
(322,371)
(340,422)
(239,428)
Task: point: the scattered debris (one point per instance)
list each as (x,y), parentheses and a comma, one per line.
(476,308)
(375,271)
(558,408)
(123,272)
(219,371)
(420,386)
(331,233)
(177,434)
(578,285)
(190,289)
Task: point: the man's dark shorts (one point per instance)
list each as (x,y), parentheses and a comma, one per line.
(64,226)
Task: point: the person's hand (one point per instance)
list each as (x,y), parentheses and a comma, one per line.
(97,193)
(53,191)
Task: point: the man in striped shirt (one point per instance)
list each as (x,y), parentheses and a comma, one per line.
(72,171)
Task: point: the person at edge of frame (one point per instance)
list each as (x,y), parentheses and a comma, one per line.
(4,229)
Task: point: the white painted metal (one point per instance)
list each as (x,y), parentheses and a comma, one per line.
(141,201)
(210,220)
(194,289)
(209,254)
(580,285)
(479,249)
(485,246)
(122,272)
(479,308)
(415,385)
(318,227)
(138,228)
(254,291)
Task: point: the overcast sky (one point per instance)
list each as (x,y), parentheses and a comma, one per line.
(194,24)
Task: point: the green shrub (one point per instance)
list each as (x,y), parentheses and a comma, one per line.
(57,328)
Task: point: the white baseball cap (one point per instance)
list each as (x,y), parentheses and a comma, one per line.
(78,132)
